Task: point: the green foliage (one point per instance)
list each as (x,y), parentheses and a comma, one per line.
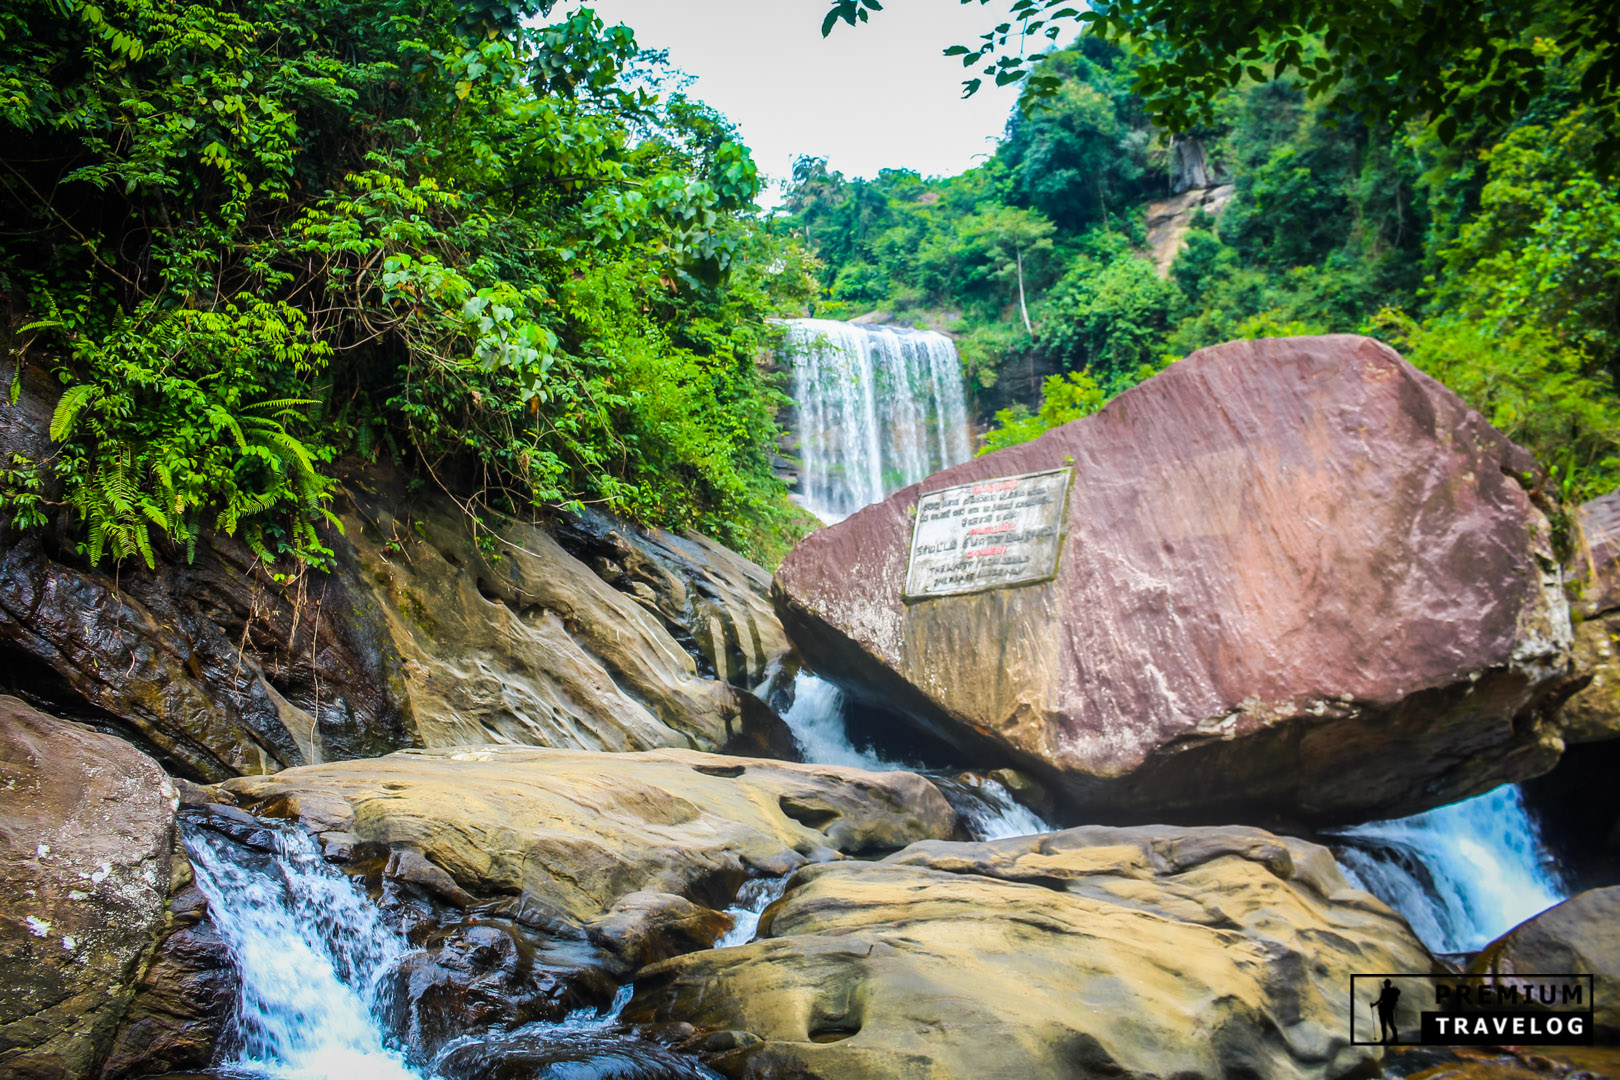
(1109,317)
(186,411)
(266,233)
(1086,151)
(1531,387)
(1525,314)
(1063,398)
(1543,250)
(1387,61)
(1496,269)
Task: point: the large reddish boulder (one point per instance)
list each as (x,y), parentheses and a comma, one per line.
(1298,577)
(1593,715)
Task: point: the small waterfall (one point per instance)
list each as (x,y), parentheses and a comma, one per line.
(879,408)
(821,731)
(753,898)
(313,954)
(816,719)
(996,815)
(315,958)
(1462,875)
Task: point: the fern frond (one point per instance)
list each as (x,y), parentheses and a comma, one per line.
(294,449)
(74,399)
(143,543)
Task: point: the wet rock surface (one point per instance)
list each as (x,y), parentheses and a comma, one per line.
(1299,578)
(421,634)
(1580,935)
(1151,951)
(185,999)
(1504,1063)
(537,880)
(87,841)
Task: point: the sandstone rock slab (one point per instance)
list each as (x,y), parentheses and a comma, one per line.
(516,640)
(87,836)
(536,880)
(1140,952)
(1298,577)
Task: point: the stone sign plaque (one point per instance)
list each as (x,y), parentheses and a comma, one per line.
(987,535)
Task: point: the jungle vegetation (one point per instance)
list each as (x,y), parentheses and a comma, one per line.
(254,236)
(498,245)
(1484,244)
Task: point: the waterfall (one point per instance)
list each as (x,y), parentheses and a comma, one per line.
(753,898)
(1462,875)
(996,815)
(817,720)
(315,958)
(879,408)
(313,954)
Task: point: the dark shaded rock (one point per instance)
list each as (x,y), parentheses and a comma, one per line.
(574,1055)
(1299,577)
(1577,806)
(420,635)
(1580,935)
(208,665)
(1142,952)
(184,1002)
(87,842)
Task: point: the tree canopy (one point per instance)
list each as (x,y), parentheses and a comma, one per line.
(253,236)
(1388,61)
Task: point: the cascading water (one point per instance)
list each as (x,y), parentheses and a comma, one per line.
(752,900)
(1462,875)
(312,953)
(315,959)
(816,719)
(818,723)
(879,408)
(995,815)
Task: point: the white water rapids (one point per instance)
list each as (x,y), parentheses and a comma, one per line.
(1462,875)
(880,407)
(312,952)
(817,721)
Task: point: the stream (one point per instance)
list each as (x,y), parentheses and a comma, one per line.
(316,957)
(878,408)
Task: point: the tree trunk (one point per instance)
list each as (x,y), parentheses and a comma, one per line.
(1023,308)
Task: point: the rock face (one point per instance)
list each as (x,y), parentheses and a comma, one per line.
(536,880)
(1580,935)
(1140,952)
(87,835)
(631,644)
(1169,220)
(1299,576)
(585,633)
(1593,714)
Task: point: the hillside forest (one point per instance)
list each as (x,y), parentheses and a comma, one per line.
(501,247)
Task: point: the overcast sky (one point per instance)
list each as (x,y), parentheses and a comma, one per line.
(875,96)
